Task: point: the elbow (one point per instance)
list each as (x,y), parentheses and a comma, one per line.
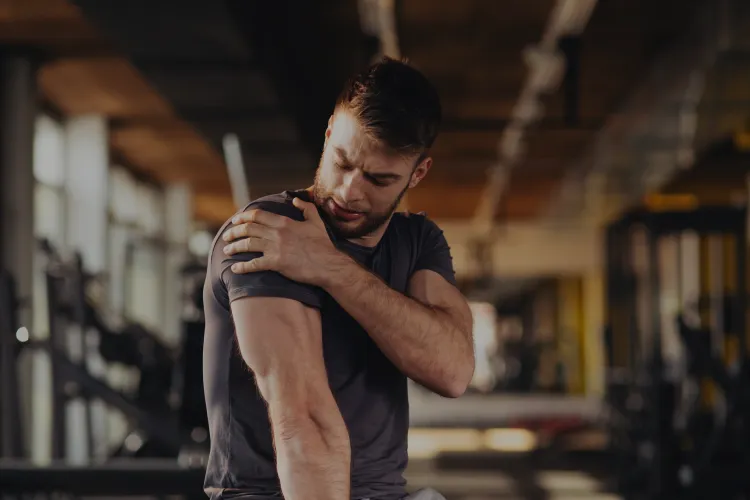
(454,390)
(458,383)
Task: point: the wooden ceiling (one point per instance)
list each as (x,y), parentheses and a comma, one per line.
(83,73)
(174,79)
(473,52)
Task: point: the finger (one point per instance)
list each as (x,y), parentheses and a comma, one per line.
(246,245)
(255,265)
(260,217)
(247,229)
(309,210)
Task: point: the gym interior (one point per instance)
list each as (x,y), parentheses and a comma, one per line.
(591,178)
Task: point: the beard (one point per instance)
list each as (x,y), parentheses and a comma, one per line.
(367,224)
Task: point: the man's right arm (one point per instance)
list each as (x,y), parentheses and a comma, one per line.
(281,341)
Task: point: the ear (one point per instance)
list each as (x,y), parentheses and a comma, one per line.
(329,128)
(420,172)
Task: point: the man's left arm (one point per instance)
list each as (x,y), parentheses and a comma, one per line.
(427,333)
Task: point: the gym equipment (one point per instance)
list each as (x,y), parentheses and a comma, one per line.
(671,322)
(118,478)
(10,419)
(189,386)
(152,409)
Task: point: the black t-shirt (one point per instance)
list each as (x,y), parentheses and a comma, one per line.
(371,393)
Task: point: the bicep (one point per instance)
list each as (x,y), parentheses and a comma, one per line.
(435,291)
(280,340)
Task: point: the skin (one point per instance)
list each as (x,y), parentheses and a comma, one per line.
(426,333)
(313,453)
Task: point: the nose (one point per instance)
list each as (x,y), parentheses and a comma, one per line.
(350,190)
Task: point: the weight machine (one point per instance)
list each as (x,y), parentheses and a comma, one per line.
(152,410)
(678,400)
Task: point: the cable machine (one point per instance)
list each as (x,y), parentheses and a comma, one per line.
(676,343)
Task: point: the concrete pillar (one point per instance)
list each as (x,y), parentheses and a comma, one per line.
(86,183)
(18,96)
(179,226)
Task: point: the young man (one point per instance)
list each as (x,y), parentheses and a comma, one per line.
(321,302)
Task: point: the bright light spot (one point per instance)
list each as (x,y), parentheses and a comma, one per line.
(199,434)
(428,443)
(510,440)
(22,335)
(568,481)
(200,243)
(133,442)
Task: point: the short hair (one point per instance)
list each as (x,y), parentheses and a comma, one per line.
(396,104)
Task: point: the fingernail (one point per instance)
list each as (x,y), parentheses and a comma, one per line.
(235,267)
(235,220)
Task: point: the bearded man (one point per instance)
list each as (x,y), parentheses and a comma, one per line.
(320,303)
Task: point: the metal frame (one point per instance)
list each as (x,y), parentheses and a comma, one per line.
(71,379)
(645,365)
(134,477)
(10,418)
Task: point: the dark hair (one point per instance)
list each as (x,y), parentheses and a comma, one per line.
(396,104)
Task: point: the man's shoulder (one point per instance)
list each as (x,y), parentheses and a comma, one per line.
(417,224)
(278,203)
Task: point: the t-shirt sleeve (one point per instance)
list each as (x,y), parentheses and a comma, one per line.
(264,283)
(435,253)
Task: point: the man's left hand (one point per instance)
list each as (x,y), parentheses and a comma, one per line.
(300,250)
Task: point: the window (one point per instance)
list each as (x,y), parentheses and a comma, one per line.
(136,254)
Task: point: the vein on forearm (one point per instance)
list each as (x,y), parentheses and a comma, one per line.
(424,342)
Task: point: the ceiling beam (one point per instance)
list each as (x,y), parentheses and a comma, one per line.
(231,67)
(546,65)
(458,124)
(204,115)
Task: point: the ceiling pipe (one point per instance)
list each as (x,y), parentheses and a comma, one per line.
(650,138)
(378,18)
(546,65)
(236,170)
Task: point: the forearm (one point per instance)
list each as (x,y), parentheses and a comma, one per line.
(425,343)
(312,455)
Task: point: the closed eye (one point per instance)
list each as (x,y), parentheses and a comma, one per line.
(383,179)
(376,180)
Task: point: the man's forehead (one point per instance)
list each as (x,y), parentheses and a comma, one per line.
(348,135)
(349,139)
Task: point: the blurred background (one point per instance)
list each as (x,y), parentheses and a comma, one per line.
(590,177)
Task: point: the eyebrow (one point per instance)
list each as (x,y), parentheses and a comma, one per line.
(379,176)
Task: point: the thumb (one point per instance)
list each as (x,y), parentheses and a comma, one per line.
(309,210)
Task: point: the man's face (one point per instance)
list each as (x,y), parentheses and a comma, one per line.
(358,185)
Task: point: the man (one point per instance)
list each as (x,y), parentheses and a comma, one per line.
(321,302)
